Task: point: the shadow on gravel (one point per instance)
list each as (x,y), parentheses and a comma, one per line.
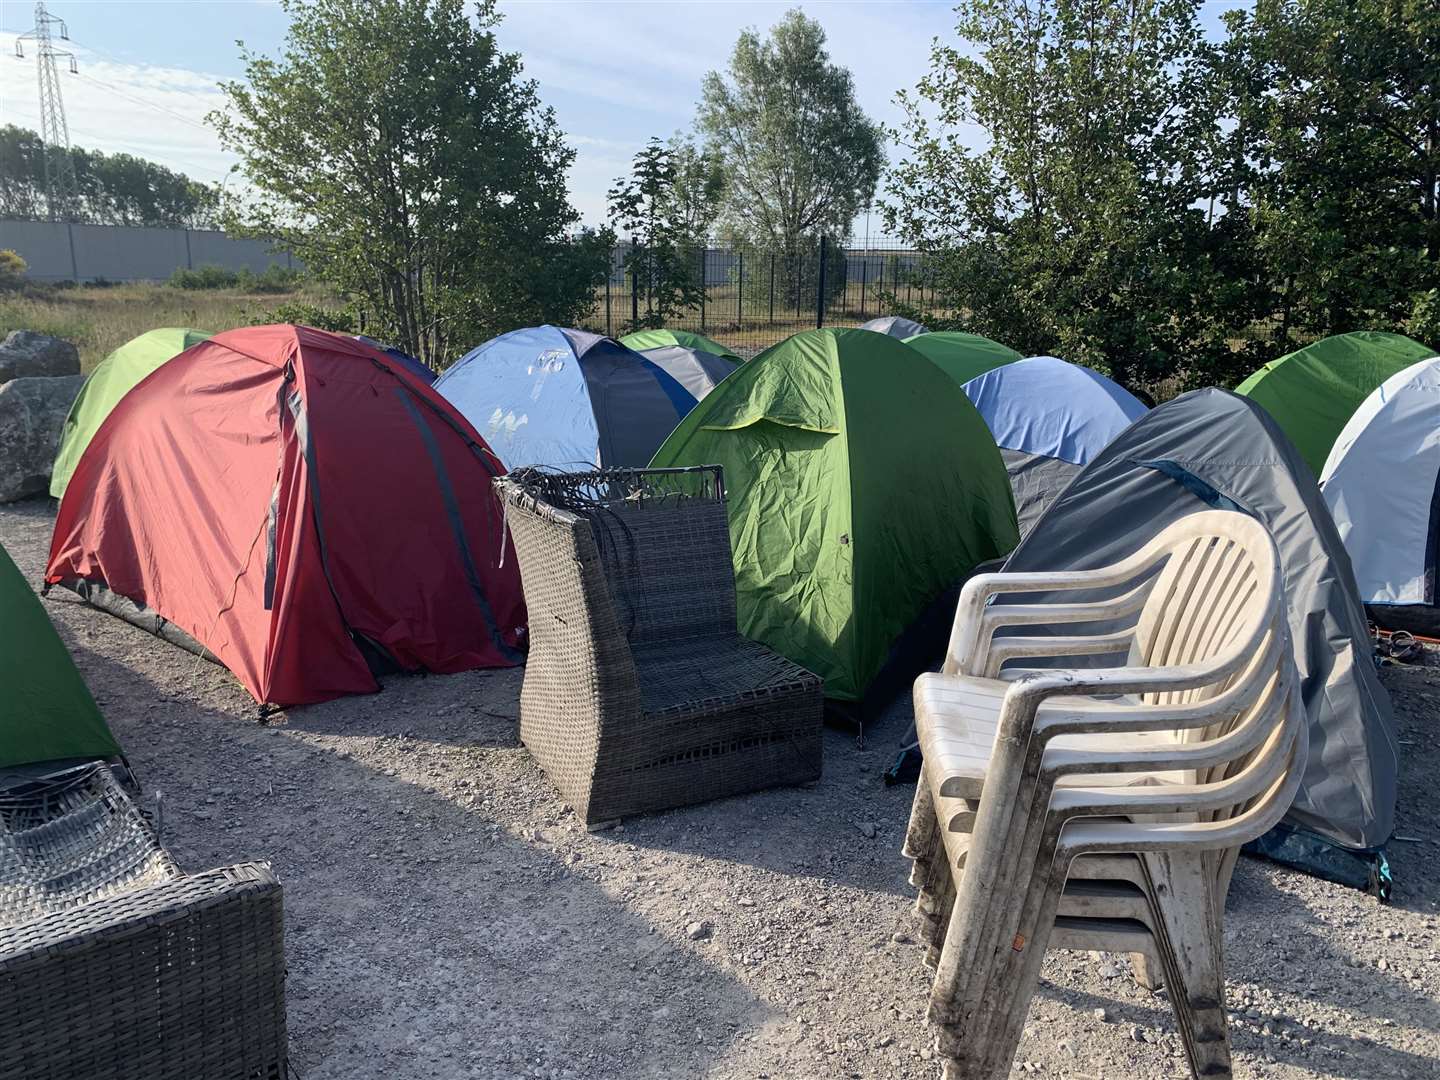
(423,939)
(1331,1053)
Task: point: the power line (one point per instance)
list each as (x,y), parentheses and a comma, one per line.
(147,103)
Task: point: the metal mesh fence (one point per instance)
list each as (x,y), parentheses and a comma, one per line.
(752,298)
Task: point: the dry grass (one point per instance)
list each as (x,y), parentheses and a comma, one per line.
(100,319)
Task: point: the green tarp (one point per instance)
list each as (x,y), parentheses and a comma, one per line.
(108,383)
(46,714)
(1313,391)
(861,485)
(658,339)
(962,356)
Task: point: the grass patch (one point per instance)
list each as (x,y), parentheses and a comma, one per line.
(99,319)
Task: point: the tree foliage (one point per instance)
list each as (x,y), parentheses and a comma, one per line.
(801,157)
(1335,154)
(1149,202)
(115,189)
(1078,227)
(398,151)
(652,210)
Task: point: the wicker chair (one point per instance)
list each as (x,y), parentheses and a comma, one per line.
(640,694)
(116,966)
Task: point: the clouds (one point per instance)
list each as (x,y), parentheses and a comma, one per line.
(615,71)
(151,110)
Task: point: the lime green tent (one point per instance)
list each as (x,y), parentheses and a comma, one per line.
(46,714)
(1313,391)
(108,383)
(659,339)
(861,485)
(962,356)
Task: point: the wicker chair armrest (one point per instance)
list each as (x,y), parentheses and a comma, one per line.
(126,913)
(173,981)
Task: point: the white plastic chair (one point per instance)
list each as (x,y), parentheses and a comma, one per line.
(1201,717)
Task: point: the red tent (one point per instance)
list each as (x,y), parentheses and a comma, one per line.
(301,506)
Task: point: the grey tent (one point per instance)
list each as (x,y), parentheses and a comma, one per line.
(1210,448)
(896,326)
(694,369)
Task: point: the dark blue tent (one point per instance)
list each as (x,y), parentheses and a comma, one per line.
(415,367)
(566,398)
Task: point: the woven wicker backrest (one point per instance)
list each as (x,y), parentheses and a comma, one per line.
(573,622)
(662,537)
(72,838)
(668,567)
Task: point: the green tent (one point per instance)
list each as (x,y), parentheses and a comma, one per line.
(658,339)
(861,483)
(108,383)
(46,714)
(1313,391)
(962,356)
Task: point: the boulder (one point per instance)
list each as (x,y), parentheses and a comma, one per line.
(25,353)
(32,413)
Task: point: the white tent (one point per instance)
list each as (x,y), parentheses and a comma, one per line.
(1382,484)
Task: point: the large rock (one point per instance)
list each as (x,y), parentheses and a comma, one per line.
(24,353)
(32,412)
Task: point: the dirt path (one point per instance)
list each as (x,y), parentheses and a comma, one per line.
(447,917)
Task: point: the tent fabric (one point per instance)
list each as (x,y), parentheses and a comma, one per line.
(1047,407)
(642,340)
(1048,417)
(861,484)
(1380,483)
(697,371)
(566,399)
(962,356)
(1213,448)
(1313,391)
(302,507)
(111,380)
(46,712)
(415,367)
(896,326)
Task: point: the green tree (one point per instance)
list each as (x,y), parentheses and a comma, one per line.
(1335,155)
(400,153)
(802,159)
(1082,223)
(115,189)
(663,260)
(698,189)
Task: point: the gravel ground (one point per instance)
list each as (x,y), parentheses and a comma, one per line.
(448,918)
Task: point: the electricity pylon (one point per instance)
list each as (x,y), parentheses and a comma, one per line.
(62,194)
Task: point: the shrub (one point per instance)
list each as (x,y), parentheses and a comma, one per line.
(1424,322)
(273,279)
(12,269)
(339,320)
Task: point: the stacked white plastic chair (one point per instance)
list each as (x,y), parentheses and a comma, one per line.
(1102,807)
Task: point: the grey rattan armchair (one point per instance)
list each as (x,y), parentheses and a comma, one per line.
(640,694)
(116,966)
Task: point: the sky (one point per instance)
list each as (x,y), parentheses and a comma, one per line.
(615,71)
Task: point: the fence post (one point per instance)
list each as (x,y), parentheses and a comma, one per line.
(609,273)
(864,277)
(820,292)
(772,286)
(740,289)
(634,286)
(702,290)
(189,258)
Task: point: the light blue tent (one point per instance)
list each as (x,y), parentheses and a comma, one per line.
(1049,417)
(570,399)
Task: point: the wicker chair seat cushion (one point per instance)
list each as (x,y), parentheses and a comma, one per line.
(706,674)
